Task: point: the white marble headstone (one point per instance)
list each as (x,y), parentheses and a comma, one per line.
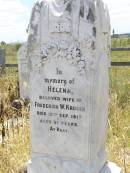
(68,48)
(23,72)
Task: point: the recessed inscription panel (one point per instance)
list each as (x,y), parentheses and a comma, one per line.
(60,27)
(59,111)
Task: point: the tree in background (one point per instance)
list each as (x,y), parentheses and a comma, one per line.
(3,43)
(113,32)
(18,45)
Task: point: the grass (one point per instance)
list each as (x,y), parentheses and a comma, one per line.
(16,150)
(11,52)
(120,55)
(118,140)
(123,41)
(15,153)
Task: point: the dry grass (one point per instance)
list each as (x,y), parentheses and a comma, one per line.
(118,140)
(14,149)
(15,152)
(119,134)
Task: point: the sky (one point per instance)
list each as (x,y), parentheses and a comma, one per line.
(15,15)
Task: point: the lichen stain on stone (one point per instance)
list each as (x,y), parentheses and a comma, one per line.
(69,8)
(94,31)
(93,46)
(82,11)
(90,16)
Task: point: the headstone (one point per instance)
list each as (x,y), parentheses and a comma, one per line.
(2,57)
(23,72)
(68,48)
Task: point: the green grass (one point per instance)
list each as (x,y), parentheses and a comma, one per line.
(121,41)
(118,140)
(120,56)
(11,52)
(11,55)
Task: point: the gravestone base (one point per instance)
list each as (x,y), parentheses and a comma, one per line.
(47,165)
(111,167)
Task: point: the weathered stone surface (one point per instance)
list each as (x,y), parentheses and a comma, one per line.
(111,167)
(67,57)
(23,72)
(54,166)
